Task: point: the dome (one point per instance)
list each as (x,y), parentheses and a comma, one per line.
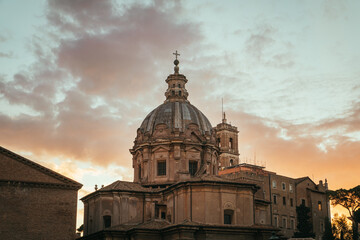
(176,115)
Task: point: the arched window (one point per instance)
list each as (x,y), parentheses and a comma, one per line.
(228,216)
(219,142)
(107,221)
(231,143)
(231,162)
(319,205)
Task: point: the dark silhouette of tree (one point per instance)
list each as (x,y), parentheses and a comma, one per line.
(328,234)
(304,225)
(356,221)
(341,227)
(349,199)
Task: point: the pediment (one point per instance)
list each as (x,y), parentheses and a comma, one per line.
(193,149)
(15,168)
(196,137)
(161,149)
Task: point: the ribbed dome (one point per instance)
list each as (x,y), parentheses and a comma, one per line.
(176,115)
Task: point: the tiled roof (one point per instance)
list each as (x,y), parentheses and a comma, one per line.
(126,186)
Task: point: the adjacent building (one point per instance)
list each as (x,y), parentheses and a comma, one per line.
(281,195)
(35,202)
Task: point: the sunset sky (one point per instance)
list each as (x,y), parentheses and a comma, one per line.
(78,77)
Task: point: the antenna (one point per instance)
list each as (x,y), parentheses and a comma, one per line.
(222,108)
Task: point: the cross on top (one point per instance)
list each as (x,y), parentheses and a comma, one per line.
(176,54)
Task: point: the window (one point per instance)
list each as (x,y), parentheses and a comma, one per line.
(173,93)
(284,201)
(291,202)
(107,221)
(228,214)
(290,187)
(292,223)
(274,184)
(139,171)
(303,202)
(283,186)
(319,205)
(161,168)
(231,162)
(179,93)
(174,85)
(276,221)
(163,215)
(231,143)
(275,199)
(179,85)
(219,142)
(192,167)
(322,226)
(284,222)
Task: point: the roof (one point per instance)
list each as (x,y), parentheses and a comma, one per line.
(213,179)
(18,169)
(125,186)
(299,180)
(176,115)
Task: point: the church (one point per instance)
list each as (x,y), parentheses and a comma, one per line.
(189,184)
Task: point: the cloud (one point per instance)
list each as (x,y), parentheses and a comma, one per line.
(264,46)
(300,146)
(121,61)
(96,68)
(5,55)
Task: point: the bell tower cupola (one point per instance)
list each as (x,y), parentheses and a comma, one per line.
(227,140)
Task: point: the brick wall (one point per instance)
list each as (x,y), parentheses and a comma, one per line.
(28,212)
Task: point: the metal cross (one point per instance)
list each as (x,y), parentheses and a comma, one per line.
(176,54)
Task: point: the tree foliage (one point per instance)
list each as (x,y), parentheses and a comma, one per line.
(349,199)
(341,227)
(304,225)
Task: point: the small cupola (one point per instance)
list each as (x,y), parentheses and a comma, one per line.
(176,91)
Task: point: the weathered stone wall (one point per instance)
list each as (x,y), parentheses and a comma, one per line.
(206,203)
(37,213)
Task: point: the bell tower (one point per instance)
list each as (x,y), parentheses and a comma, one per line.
(227,140)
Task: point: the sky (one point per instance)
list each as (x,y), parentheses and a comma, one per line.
(77,77)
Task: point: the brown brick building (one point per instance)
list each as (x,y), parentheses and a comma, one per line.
(281,195)
(35,202)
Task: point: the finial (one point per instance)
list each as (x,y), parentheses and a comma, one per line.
(224,118)
(176,62)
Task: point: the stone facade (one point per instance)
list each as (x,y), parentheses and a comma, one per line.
(35,202)
(227,140)
(283,195)
(188,183)
(175,141)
